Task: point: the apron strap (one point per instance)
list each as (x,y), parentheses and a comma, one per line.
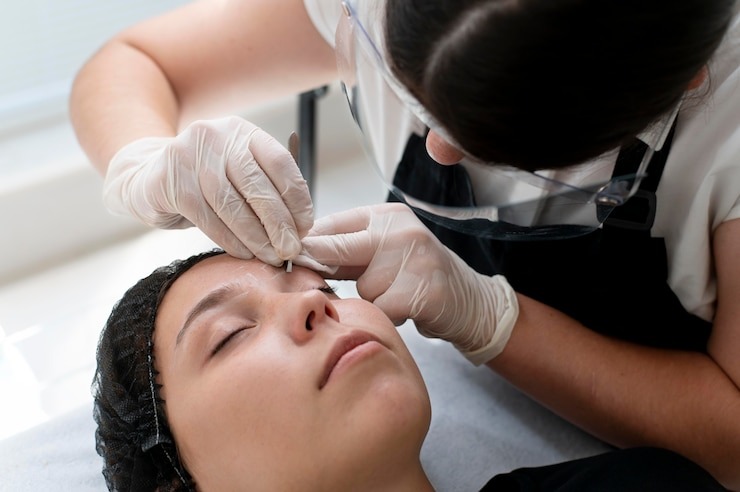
(638,213)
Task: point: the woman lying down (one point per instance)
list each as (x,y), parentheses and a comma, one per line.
(220,374)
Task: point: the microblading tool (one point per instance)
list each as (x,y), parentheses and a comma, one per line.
(294,149)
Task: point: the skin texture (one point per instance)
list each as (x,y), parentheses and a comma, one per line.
(259,414)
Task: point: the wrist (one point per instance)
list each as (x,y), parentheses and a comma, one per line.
(126,181)
(500,311)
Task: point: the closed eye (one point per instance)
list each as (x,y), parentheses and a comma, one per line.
(326,289)
(227,339)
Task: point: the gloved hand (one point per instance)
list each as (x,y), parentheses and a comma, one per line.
(229,178)
(407,272)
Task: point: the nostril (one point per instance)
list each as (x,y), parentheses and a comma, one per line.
(331,312)
(309,320)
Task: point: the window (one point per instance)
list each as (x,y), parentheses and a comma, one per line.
(50,203)
(44,43)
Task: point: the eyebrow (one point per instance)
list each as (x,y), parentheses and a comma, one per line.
(212,300)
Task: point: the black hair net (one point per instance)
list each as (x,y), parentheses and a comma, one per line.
(133,435)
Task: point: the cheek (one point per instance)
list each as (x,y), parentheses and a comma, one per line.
(210,415)
(225,421)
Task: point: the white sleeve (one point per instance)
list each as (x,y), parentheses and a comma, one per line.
(731,153)
(325,15)
(727,112)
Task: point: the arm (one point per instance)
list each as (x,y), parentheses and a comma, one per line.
(134,108)
(631,395)
(204,59)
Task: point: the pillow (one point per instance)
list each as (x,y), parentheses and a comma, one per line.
(56,455)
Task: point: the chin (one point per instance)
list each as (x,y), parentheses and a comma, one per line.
(386,432)
(403,408)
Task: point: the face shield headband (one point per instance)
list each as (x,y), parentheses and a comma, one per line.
(477,198)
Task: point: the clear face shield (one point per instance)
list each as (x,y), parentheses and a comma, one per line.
(500,201)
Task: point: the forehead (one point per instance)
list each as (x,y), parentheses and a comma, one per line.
(222,270)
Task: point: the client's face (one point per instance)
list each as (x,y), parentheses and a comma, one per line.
(271,382)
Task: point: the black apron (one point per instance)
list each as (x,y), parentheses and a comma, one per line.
(613,280)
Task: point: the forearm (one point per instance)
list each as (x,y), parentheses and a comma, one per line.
(110,108)
(626,394)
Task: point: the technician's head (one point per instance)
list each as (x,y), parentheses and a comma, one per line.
(549,83)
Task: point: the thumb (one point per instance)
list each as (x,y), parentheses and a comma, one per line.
(397,312)
(399,294)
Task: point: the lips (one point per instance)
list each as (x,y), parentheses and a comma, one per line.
(342,346)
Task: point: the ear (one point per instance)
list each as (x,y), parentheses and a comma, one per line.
(699,78)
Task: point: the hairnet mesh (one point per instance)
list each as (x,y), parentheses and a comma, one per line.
(133,435)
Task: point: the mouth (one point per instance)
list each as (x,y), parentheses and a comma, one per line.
(344,346)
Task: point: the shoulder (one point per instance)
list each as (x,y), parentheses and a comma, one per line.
(727,58)
(708,137)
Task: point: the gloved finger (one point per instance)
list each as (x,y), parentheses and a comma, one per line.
(211,224)
(236,216)
(346,221)
(330,272)
(256,191)
(355,249)
(275,190)
(387,274)
(284,174)
(258,243)
(395,307)
(305,260)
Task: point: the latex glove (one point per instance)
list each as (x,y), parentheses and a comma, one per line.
(228,177)
(407,272)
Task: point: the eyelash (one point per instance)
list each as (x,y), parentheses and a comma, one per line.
(227,339)
(326,289)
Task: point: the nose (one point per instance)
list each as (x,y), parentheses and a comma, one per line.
(306,312)
(441,150)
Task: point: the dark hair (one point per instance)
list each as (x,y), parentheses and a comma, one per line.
(133,436)
(549,83)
